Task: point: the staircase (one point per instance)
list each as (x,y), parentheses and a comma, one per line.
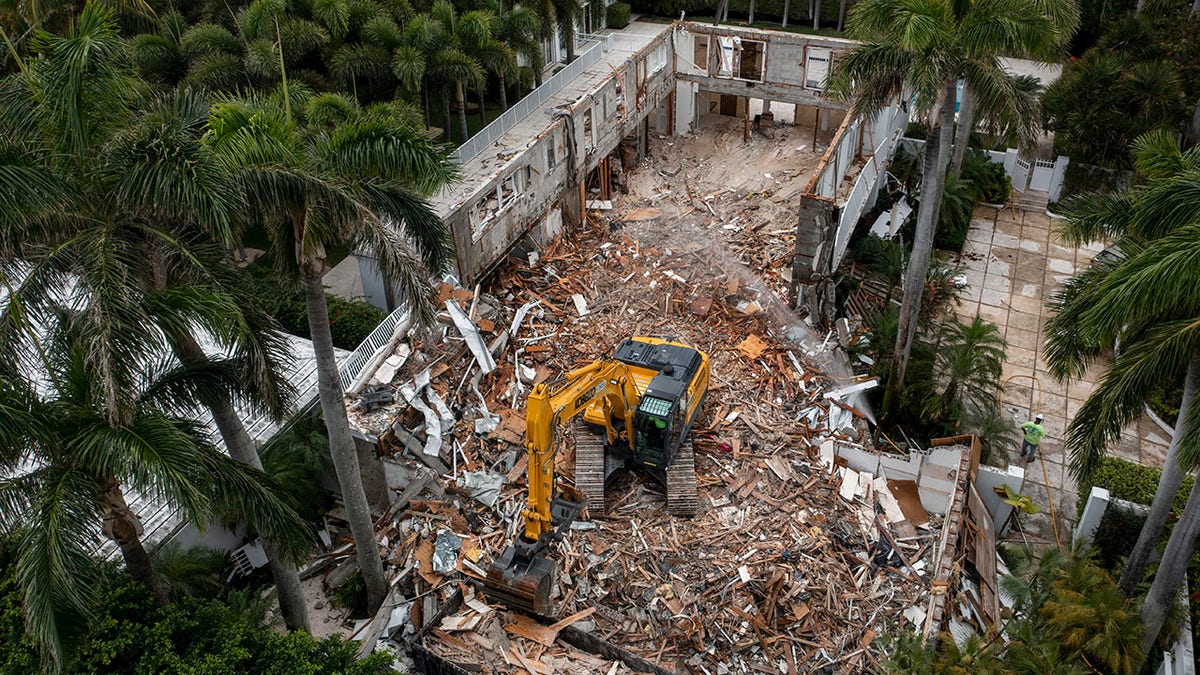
(1030,201)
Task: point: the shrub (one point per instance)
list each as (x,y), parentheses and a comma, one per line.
(298,458)
(987,179)
(1081,177)
(1114,538)
(618,15)
(130,633)
(350,321)
(1131,482)
(352,595)
(954,218)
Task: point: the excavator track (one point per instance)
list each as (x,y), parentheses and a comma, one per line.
(682,496)
(589,468)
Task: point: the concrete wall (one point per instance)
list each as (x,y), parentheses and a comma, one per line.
(935,473)
(989,480)
(780,75)
(502,210)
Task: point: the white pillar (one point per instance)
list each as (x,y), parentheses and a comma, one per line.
(1056,178)
(1093,512)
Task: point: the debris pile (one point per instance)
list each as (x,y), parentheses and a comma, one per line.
(794,562)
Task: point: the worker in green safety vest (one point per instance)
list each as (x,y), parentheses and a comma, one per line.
(1033,438)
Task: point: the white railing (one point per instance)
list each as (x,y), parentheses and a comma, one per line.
(886,130)
(353,365)
(529,104)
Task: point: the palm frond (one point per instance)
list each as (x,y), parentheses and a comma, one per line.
(409,67)
(369,149)
(55,571)
(209,38)
(251,496)
(334,15)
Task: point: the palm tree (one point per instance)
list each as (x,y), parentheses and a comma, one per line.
(1142,301)
(566,15)
(922,50)
(1064,15)
(436,50)
(519,30)
(967,366)
(1100,125)
(359,184)
(70,462)
(117,230)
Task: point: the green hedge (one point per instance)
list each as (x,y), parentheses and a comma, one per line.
(989,182)
(131,633)
(350,321)
(618,15)
(1116,536)
(1131,482)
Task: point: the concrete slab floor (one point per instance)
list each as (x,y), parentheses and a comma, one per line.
(1013,262)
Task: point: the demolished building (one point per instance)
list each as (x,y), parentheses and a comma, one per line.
(808,543)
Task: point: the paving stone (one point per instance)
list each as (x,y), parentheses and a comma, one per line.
(994,298)
(996,282)
(1020,337)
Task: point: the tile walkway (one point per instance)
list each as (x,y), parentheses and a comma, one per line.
(1013,262)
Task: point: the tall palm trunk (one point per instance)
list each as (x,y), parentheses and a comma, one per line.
(962,135)
(841,15)
(460,101)
(933,178)
(504,93)
(816,13)
(446,116)
(1171,571)
(787,7)
(425,95)
(241,447)
(482,109)
(750,19)
(123,527)
(1164,496)
(1196,121)
(341,444)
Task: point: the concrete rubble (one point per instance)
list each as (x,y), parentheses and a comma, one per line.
(807,544)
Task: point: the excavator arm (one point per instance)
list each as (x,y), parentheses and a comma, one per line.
(606,381)
(522,577)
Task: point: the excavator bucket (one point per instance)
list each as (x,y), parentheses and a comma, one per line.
(523,585)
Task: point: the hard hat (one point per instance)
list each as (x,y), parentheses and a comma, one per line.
(1038,418)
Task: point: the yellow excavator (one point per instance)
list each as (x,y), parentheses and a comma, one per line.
(645,398)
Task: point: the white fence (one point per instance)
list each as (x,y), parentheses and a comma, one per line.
(354,364)
(529,104)
(1040,175)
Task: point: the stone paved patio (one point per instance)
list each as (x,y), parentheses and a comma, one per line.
(1013,262)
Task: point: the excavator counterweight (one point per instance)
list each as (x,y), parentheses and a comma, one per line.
(645,400)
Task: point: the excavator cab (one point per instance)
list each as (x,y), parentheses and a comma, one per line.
(653,431)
